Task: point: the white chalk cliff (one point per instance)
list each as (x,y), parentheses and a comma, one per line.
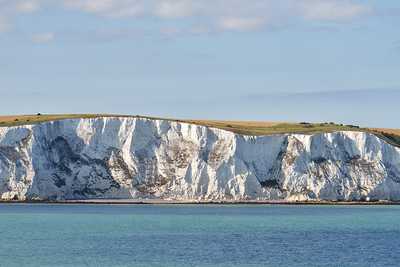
(136,158)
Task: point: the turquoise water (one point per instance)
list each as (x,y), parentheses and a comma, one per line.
(203,235)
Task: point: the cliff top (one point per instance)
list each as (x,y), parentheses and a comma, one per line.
(241,127)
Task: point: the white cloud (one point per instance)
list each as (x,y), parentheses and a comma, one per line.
(211,15)
(11,8)
(332,10)
(27,6)
(227,14)
(175,8)
(42,38)
(241,24)
(108,8)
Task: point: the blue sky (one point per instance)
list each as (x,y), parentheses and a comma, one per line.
(308,60)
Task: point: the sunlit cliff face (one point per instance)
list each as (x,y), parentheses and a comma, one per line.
(134,158)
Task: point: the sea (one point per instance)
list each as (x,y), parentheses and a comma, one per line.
(199,235)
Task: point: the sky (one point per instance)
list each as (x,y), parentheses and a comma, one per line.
(271,60)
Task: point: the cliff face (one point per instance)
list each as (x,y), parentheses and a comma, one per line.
(143,158)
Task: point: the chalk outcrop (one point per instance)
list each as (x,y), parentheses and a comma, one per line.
(135,158)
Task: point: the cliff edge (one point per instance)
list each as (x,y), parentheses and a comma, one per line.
(143,158)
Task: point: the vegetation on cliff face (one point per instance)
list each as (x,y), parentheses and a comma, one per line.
(391,136)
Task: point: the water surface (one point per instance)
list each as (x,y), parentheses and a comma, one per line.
(198,235)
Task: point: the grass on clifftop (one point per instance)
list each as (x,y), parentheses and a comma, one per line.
(391,136)
(266,128)
(16,120)
(240,127)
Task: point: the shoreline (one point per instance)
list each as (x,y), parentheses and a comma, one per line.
(195,202)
